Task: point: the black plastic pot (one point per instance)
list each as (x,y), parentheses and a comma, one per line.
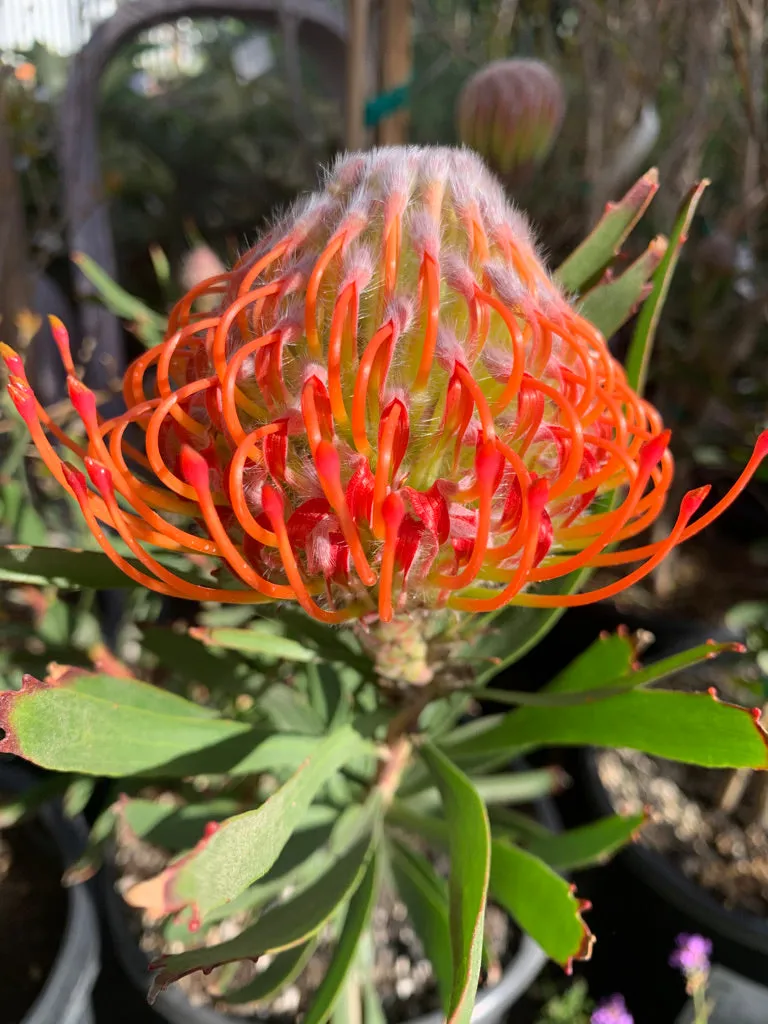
(640,904)
(492,1006)
(66,994)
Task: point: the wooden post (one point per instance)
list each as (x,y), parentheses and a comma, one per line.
(357,64)
(14,268)
(396,62)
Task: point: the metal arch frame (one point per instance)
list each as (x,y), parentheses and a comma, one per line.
(86,209)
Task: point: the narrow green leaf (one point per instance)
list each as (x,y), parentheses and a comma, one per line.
(611,303)
(469,848)
(589,844)
(246,846)
(74,569)
(502,788)
(542,903)
(641,346)
(175,828)
(253,641)
(289,711)
(606,238)
(20,805)
(504,637)
(283,926)
(189,658)
(327,694)
(77,796)
(148,326)
(284,968)
(690,727)
(356,920)
(339,645)
(605,661)
(426,897)
(90,860)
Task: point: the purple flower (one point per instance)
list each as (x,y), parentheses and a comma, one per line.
(612,1011)
(692,954)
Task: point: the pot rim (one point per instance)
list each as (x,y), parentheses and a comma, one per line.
(66,990)
(490,1004)
(654,868)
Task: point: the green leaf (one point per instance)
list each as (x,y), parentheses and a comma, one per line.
(189,658)
(606,238)
(283,969)
(611,303)
(283,926)
(425,895)
(98,725)
(502,788)
(246,846)
(20,805)
(72,568)
(690,727)
(641,346)
(253,641)
(327,694)
(90,860)
(606,660)
(148,326)
(356,920)
(77,796)
(469,849)
(541,902)
(289,711)
(173,828)
(504,637)
(338,645)
(587,845)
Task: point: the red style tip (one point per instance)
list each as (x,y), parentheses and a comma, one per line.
(488,461)
(194,468)
(76,481)
(538,493)
(652,451)
(327,460)
(693,500)
(100,477)
(761,445)
(393,511)
(12,360)
(210,828)
(272,502)
(83,400)
(61,337)
(22,397)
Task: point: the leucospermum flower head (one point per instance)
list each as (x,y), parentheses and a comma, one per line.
(387,404)
(510,111)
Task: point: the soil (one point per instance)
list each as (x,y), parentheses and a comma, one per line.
(33,908)
(402,975)
(725,853)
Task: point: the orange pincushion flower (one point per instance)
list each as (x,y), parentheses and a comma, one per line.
(390,406)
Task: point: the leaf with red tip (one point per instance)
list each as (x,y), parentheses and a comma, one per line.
(246,846)
(543,904)
(82,722)
(257,641)
(609,305)
(606,238)
(283,926)
(688,727)
(641,346)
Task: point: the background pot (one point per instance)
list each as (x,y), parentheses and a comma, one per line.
(66,995)
(173,1006)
